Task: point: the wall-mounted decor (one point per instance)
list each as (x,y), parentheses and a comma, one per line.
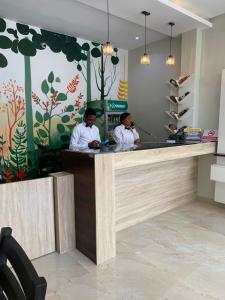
(47,80)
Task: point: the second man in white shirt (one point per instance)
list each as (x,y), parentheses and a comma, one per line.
(125,133)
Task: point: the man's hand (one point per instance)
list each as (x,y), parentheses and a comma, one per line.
(138,141)
(94,144)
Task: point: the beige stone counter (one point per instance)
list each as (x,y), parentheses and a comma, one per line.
(116,190)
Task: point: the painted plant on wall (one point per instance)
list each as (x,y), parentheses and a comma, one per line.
(54,111)
(49,79)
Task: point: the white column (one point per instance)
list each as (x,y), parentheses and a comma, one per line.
(218,170)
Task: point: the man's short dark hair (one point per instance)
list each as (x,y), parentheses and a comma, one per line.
(89,112)
(124,116)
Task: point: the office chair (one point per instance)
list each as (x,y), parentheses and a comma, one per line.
(21,282)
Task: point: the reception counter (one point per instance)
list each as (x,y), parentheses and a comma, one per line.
(116,187)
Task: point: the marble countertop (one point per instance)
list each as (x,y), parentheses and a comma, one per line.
(131,147)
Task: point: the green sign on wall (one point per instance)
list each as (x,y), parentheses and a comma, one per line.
(116,105)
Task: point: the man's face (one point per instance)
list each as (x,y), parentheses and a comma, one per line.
(128,121)
(90,120)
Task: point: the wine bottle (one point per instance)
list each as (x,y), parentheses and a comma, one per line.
(176,99)
(183,112)
(183,79)
(182,97)
(177,83)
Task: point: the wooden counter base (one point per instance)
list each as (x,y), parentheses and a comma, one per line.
(116,190)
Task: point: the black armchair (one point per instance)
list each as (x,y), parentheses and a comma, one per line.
(26,285)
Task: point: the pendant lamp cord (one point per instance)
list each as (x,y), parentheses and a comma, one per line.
(108,20)
(171,34)
(145,35)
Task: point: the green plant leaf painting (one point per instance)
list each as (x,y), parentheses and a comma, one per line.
(59,76)
(3,61)
(5,42)
(2,25)
(26,47)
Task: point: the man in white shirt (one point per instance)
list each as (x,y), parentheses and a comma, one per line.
(86,134)
(126,133)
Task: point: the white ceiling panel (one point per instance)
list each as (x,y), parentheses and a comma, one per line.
(77,19)
(204,8)
(162,12)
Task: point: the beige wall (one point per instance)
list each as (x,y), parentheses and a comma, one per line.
(148,88)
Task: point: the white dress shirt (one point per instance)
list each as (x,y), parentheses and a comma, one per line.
(82,136)
(122,135)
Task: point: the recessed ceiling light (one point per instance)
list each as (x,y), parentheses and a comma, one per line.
(137,38)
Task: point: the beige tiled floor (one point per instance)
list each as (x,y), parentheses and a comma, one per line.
(179,255)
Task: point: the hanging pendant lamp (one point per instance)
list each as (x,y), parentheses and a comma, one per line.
(171,59)
(107,48)
(145,59)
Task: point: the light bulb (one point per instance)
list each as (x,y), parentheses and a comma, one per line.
(145,59)
(170,60)
(107,49)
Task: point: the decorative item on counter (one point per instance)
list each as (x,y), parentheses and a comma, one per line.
(177,99)
(179,82)
(210,135)
(175,115)
(179,135)
(193,134)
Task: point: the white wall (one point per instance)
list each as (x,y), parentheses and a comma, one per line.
(148,88)
(212,64)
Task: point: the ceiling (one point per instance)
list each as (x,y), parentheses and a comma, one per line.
(204,8)
(87,18)
(162,12)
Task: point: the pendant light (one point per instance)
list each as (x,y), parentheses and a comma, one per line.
(171,59)
(145,59)
(107,48)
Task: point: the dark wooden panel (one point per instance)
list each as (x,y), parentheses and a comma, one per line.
(82,166)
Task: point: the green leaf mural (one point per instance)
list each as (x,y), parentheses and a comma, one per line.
(60,104)
(27,48)
(2,25)
(23,29)
(42,133)
(3,61)
(96,52)
(55,117)
(5,42)
(65,119)
(61,97)
(45,87)
(39,117)
(70,108)
(51,77)
(18,153)
(60,128)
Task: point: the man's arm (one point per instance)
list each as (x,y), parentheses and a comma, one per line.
(136,136)
(117,135)
(74,140)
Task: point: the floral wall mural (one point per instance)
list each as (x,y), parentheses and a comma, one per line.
(46,82)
